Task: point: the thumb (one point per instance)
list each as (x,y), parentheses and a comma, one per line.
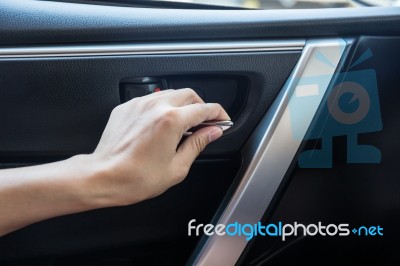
(191,147)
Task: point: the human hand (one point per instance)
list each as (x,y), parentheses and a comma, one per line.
(140,155)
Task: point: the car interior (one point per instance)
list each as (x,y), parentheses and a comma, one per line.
(64,65)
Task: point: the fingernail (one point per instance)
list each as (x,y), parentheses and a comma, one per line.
(214,134)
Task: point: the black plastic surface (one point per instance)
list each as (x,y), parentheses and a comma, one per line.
(53,22)
(228,90)
(60,106)
(139,230)
(357,194)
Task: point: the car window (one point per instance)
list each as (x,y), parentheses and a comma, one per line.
(292,4)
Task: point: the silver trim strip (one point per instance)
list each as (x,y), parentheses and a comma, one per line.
(271,149)
(151,49)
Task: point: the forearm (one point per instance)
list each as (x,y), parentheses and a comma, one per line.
(35,193)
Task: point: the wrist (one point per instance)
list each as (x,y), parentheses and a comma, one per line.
(91,173)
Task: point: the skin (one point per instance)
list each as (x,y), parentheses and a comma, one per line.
(139,156)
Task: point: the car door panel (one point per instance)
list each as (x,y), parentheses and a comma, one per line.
(60,23)
(360,194)
(63,67)
(81,92)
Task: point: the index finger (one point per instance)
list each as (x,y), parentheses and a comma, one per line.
(180,97)
(194,114)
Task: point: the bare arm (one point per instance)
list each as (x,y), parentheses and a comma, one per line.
(137,158)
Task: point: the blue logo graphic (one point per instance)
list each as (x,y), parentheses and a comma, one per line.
(351,107)
(282,230)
